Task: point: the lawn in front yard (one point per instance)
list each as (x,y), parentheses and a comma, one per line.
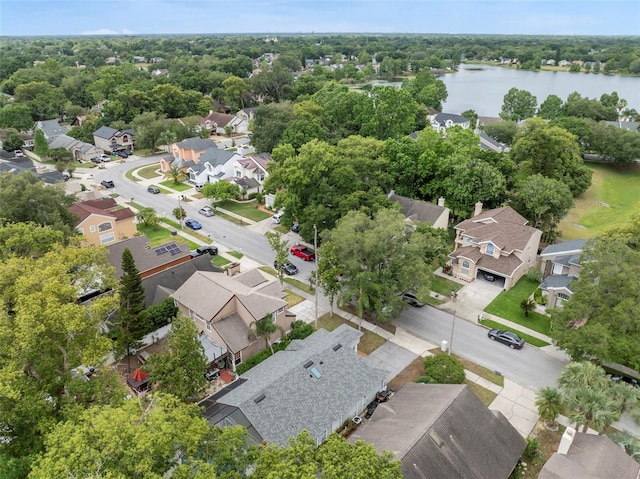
(158,235)
(246,209)
(507,306)
(444,286)
(179,187)
(369,342)
(149,172)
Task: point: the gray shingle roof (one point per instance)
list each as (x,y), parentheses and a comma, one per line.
(216,156)
(443,431)
(105,132)
(196,144)
(51,128)
(442,118)
(418,210)
(571,246)
(558,281)
(296,398)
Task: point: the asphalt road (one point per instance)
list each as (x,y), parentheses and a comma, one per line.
(529,366)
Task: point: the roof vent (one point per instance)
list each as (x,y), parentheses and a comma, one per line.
(337,346)
(316,373)
(437,439)
(259,398)
(308,364)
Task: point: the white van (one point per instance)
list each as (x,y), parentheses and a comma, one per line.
(277,217)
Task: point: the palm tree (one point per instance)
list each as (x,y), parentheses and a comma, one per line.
(365,291)
(527,305)
(549,402)
(264,328)
(591,408)
(147,216)
(176,174)
(582,374)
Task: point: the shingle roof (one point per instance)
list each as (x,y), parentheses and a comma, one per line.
(105,132)
(220,119)
(443,431)
(234,331)
(571,246)
(103,207)
(196,144)
(558,281)
(295,398)
(144,257)
(505,265)
(52,128)
(263,159)
(442,118)
(591,456)
(418,210)
(214,156)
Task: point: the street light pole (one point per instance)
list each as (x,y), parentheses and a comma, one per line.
(180,197)
(453,326)
(315,248)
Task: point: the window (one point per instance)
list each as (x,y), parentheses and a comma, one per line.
(557,268)
(238,174)
(490,249)
(81,231)
(92,228)
(467,240)
(260,177)
(105,226)
(237,358)
(208,325)
(281,310)
(108,238)
(564,297)
(465,264)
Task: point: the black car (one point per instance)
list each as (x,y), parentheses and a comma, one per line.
(153,189)
(123,154)
(489,277)
(506,337)
(212,250)
(107,183)
(288,268)
(412,299)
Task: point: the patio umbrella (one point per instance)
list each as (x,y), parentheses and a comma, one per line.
(139,375)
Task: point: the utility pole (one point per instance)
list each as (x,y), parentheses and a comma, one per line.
(180,197)
(315,248)
(453,326)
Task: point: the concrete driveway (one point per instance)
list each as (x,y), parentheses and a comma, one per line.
(472,299)
(391,357)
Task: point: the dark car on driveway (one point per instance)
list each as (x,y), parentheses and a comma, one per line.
(212,250)
(288,268)
(412,299)
(506,337)
(193,224)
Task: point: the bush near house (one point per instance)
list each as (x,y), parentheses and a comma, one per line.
(442,369)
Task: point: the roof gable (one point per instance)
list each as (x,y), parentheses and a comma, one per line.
(196,144)
(146,258)
(418,210)
(105,132)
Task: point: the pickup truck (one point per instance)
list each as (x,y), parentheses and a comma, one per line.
(303,252)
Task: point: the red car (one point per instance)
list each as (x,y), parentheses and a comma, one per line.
(303,252)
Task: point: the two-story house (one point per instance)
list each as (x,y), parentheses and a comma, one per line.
(212,166)
(560,264)
(223,308)
(103,221)
(187,152)
(250,173)
(418,211)
(111,140)
(442,121)
(497,243)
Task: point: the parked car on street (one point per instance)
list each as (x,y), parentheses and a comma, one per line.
(412,299)
(153,189)
(200,250)
(506,337)
(303,252)
(193,224)
(206,211)
(288,268)
(107,183)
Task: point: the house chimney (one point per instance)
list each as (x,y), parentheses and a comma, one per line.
(441,201)
(566,441)
(391,193)
(478,209)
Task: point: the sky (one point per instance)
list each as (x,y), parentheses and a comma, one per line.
(540,17)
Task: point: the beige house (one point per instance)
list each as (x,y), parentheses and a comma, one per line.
(418,211)
(560,264)
(109,139)
(251,172)
(103,221)
(223,308)
(495,244)
(81,151)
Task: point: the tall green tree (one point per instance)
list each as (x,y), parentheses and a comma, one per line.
(427,89)
(130,327)
(265,328)
(40,145)
(279,245)
(16,115)
(518,105)
(27,240)
(12,140)
(179,369)
(269,124)
(549,404)
(551,108)
(221,191)
(147,216)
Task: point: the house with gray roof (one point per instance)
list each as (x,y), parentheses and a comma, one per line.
(50,128)
(443,431)
(560,265)
(80,150)
(491,144)
(186,153)
(212,166)
(589,456)
(223,308)
(111,140)
(418,211)
(443,121)
(495,242)
(315,384)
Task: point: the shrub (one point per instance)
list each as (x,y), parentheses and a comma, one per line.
(442,369)
(159,314)
(534,274)
(260,198)
(300,330)
(252,196)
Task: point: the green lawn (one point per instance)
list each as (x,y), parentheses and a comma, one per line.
(369,342)
(246,209)
(507,306)
(529,339)
(613,197)
(236,254)
(233,219)
(179,187)
(220,261)
(287,279)
(444,286)
(149,172)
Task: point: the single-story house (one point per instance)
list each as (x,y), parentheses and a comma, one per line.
(102,221)
(224,307)
(560,265)
(110,140)
(495,242)
(80,150)
(418,211)
(589,456)
(315,384)
(50,128)
(148,260)
(443,431)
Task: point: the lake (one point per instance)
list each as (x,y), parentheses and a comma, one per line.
(482,87)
